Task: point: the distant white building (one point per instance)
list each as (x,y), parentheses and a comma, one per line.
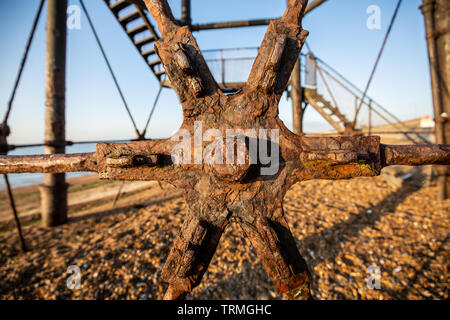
(426,122)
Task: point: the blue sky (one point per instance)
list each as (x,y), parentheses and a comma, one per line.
(338,34)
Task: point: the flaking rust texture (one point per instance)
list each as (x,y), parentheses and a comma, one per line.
(245,192)
(219,194)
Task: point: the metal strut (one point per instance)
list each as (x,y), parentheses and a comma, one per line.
(109,67)
(377,61)
(151,112)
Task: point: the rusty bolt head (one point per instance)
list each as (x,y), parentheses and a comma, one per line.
(230,172)
(233,171)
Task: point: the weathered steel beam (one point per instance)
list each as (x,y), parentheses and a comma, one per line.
(53,163)
(247,23)
(231,24)
(415,155)
(137,160)
(376,133)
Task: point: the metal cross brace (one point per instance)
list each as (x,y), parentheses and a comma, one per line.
(248,191)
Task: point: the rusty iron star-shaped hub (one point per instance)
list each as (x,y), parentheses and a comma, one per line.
(218,194)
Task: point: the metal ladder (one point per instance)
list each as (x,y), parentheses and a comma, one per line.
(135,22)
(331,114)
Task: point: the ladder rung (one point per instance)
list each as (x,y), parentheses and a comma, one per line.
(134,31)
(154,63)
(129,18)
(147,53)
(144,41)
(159,73)
(119,5)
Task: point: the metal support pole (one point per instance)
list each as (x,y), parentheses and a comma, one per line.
(437,27)
(222,61)
(296,96)
(54,189)
(186,12)
(297,99)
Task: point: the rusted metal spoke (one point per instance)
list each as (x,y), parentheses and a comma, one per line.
(188,71)
(183,61)
(338,158)
(139,160)
(279,51)
(295,12)
(54,163)
(160,10)
(194,247)
(415,155)
(276,248)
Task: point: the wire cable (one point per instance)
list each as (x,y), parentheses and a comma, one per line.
(109,67)
(24,60)
(377,61)
(151,112)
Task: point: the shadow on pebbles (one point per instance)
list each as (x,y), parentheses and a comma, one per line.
(352,233)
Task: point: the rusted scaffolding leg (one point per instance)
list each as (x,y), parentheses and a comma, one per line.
(297,99)
(437,27)
(186,12)
(54,189)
